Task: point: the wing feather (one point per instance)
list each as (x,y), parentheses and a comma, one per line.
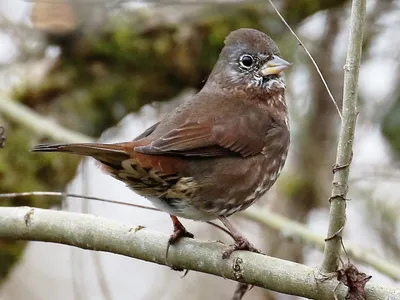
(245,136)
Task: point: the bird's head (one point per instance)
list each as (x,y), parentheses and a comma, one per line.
(251,59)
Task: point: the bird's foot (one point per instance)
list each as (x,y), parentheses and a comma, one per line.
(241,243)
(179,232)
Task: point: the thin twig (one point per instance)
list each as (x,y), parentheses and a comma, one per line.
(310,56)
(337,213)
(61,194)
(240,291)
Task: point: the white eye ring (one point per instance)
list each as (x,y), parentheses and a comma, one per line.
(246,61)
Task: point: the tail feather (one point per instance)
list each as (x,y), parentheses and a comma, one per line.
(87,149)
(109,154)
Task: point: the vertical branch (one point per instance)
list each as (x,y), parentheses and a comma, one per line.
(337,214)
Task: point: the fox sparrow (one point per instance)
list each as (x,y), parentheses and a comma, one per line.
(217,153)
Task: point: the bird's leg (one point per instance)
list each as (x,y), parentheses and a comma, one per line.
(179,231)
(241,243)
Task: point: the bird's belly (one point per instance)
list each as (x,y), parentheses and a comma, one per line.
(181,208)
(237,184)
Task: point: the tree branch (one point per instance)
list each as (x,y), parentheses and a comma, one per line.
(288,229)
(39,124)
(298,232)
(337,214)
(95,233)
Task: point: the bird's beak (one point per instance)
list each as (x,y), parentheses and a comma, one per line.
(274,66)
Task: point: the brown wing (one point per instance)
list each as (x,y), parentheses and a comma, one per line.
(246,135)
(147,132)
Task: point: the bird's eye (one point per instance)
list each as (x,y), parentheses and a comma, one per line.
(246,61)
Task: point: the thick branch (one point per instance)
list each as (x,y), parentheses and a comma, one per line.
(288,229)
(90,232)
(298,232)
(337,215)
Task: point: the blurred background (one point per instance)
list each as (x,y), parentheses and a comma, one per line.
(108,69)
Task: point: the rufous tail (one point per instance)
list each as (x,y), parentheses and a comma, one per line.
(108,154)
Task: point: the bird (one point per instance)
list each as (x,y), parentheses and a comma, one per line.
(217,153)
